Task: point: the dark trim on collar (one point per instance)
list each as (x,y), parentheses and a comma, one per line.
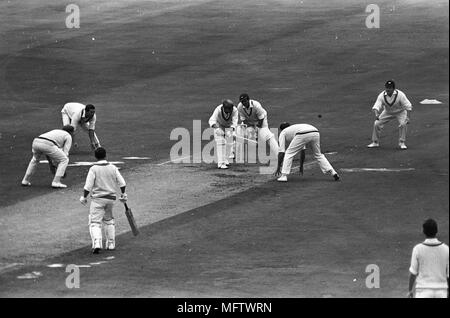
(433,245)
(395,98)
(223,114)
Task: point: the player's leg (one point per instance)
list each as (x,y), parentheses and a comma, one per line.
(251,142)
(265,135)
(324,164)
(96,213)
(59,157)
(219,137)
(37,153)
(378,126)
(109,226)
(294,147)
(402,128)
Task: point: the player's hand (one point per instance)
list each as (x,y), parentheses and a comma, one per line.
(123,198)
(83,200)
(214,126)
(94,145)
(219,132)
(277,173)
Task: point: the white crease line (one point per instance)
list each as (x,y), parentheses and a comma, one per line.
(170,161)
(376,169)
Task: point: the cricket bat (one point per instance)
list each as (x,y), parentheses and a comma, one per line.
(131,220)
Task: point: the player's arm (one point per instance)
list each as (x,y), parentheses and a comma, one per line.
(213,119)
(121,183)
(378,106)
(94,143)
(67,145)
(88,186)
(260,113)
(412,281)
(280,163)
(413,272)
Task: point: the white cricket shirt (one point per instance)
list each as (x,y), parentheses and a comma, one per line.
(254,113)
(429,262)
(223,120)
(61,137)
(76,111)
(289,133)
(103,179)
(394,104)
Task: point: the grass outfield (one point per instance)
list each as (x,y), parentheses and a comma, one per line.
(154,66)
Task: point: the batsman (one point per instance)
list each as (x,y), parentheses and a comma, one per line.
(102,181)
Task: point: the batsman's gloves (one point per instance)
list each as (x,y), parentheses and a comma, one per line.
(123,198)
(83,200)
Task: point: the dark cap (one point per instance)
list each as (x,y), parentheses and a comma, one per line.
(100,153)
(390,84)
(243,97)
(284,125)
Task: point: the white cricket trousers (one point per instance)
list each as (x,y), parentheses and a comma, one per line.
(67,121)
(431,293)
(312,140)
(264,135)
(44,147)
(101,216)
(385,117)
(223,148)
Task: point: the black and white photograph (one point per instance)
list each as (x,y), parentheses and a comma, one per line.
(224,154)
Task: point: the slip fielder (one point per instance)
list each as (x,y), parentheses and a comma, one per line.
(79,115)
(54,144)
(224,121)
(391,103)
(292,139)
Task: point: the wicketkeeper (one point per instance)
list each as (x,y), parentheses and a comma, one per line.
(102,181)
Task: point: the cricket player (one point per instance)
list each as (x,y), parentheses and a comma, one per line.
(254,116)
(224,121)
(292,139)
(102,180)
(79,115)
(429,265)
(391,103)
(55,144)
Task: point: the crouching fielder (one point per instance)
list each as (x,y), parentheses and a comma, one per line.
(102,181)
(55,145)
(224,121)
(297,137)
(391,103)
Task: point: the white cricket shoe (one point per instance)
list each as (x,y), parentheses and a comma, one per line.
(111,246)
(402,146)
(58,185)
(373,145)
(223,166)
(26,183)
(232,156)
(282,179)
